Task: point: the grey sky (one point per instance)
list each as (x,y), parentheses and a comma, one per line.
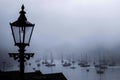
(63,25)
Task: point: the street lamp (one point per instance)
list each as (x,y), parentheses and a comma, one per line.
(22,31)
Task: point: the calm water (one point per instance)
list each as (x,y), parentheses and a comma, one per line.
(112,73)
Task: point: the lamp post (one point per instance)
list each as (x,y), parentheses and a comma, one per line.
(22,31)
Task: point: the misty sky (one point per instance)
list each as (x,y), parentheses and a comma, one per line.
(63,26)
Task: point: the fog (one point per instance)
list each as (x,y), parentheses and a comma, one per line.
(64,27)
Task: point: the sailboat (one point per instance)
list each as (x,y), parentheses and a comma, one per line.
(84,63)
(112,62)
(66,63)
(44,60)
(101,66)
(73,63)
(62,60)
(51,63)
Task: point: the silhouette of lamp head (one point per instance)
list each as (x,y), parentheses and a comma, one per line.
(22,29)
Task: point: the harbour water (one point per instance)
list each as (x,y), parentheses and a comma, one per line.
(79,73)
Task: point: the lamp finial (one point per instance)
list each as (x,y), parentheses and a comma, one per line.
(22,7)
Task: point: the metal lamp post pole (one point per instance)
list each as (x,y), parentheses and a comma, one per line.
(21,59)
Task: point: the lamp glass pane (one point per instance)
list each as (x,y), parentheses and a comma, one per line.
(16,34)
(28,31)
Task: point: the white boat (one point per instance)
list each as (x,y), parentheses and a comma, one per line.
(66,64)
(51,63)
(84,63)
